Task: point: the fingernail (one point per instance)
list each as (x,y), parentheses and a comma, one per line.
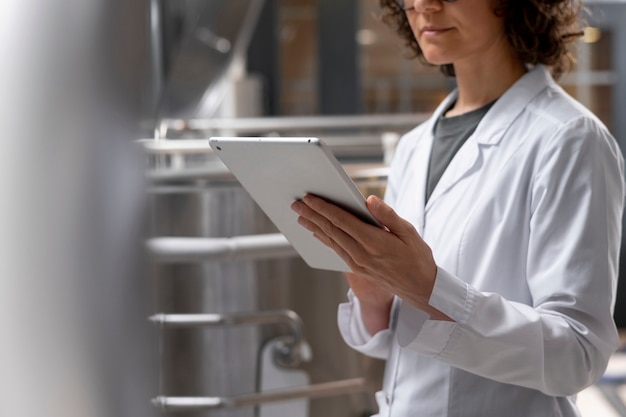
(372,199)
(296,206)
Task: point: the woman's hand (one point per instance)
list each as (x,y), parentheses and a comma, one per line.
(368,292)
(375,302)
(395,258)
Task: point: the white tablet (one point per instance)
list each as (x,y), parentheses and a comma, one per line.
(278,171)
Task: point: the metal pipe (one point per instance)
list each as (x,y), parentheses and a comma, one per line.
(238,65)
(288,350)
(156,57)
(340,143)
(278,124)
(328,389)
(251,247)
(233,319)
(179,146)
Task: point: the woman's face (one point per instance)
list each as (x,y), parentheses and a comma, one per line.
(453,32)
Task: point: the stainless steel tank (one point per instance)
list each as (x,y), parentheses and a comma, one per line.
(73,296)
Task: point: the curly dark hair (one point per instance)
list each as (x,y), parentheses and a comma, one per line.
(541,31)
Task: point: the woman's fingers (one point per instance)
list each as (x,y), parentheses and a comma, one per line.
(356,242)
(396,259)
(389,218)
(341,219)
(313,220)
(326,232)
(334,225)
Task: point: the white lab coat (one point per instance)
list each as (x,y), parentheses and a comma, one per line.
(525,227)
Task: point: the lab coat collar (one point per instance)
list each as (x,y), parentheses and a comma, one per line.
(490,130)
(511,104)
(506,109)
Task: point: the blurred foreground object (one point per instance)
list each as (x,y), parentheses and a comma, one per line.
(73,294)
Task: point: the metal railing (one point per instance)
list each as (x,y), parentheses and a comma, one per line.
(239,248)
(280,125)
(288,351)
(328,389)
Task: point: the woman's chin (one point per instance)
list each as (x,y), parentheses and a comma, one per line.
(438,62)
(436,59)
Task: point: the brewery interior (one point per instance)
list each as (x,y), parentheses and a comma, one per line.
(140,279)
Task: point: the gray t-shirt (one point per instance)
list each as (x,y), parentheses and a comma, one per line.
(450,133)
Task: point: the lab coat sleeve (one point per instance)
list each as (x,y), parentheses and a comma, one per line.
(561,343)
(355,333)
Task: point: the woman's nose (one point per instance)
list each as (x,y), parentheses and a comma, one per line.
(427,6)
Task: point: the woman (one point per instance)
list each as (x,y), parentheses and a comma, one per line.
(490,291)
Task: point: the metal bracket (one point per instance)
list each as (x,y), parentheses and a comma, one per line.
(288,352)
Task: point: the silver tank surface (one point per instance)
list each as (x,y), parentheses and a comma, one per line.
(73,296)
